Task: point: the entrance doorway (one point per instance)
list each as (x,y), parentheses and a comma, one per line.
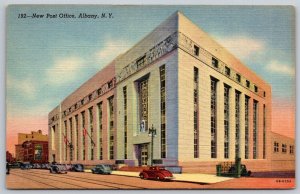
(142,154)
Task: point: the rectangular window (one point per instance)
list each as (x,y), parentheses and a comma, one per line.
(291,149)
(111,127)
(65,139)
(246,127)
(255,119)
(125,121)
(255,89)
(84,134)
(215,62)
(213,121)
(77,137)
(248,83)
(143,104)
(196,50)
(226,121)
(162,71)
(238,77)
(284,148)
(91,123)
(237,124)
(196,127)
(227,71)
(276,146)
(71,139)
(100,130)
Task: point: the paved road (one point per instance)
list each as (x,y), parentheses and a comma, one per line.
(42,179)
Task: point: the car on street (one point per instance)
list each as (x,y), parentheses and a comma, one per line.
(77,168)
(25,166)
(157,173)
(102,169)
(58,169)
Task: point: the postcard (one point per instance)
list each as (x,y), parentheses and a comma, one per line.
(150,97)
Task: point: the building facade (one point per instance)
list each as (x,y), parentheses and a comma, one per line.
(282,153)
(178,87)
(23,137)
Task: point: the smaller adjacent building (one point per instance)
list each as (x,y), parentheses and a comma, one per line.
(283,153)
(35,151)
(32,147)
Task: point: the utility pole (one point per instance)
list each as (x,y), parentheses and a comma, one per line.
(152,133)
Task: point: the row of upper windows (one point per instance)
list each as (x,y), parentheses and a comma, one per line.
(227,71)
(283,148)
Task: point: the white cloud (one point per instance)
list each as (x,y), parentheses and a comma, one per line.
(242,46)
(280,68)
(25,87)
(64,70)
(111,49)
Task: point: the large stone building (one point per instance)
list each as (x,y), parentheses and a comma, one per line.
(204,104)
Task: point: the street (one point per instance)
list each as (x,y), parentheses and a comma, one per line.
(42,179)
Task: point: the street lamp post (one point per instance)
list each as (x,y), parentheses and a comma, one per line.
(152,133)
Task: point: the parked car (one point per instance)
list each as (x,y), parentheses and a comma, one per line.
(15,165)
(58,169)
(77,168)
(243,172)
(25,166)
(156,172)
(102,169)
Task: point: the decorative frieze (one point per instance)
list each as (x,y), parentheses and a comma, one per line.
(162,48)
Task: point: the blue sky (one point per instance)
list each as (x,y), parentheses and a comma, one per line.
(47,59)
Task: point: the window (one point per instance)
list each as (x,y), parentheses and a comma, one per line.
(213,121)
(65,139)
(53,137)
(83,136)
(283,148)
(91,123)
(196,128)
(143,104)
(237,124)
(111,127)
(125,121)
(90,97)
(82,101)
(140,62)
(75,105)
(100,130)
(248,83)
(255,89)
(77,137)
(99,91)
(238,77)
(196,50)
(162,71)
(255,119)
(276,146)
(227,71)
(246,127)
(291,149)
(264,94)
(71,138)
(215,62)
(226,121)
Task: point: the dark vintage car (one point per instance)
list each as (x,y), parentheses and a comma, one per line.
(156,172)
(58,169)
(102,169)
(25,166)
(243,170)
(77,168)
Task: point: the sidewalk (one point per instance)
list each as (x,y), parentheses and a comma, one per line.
(185,177)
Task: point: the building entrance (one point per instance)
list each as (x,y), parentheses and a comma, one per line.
(142,154)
